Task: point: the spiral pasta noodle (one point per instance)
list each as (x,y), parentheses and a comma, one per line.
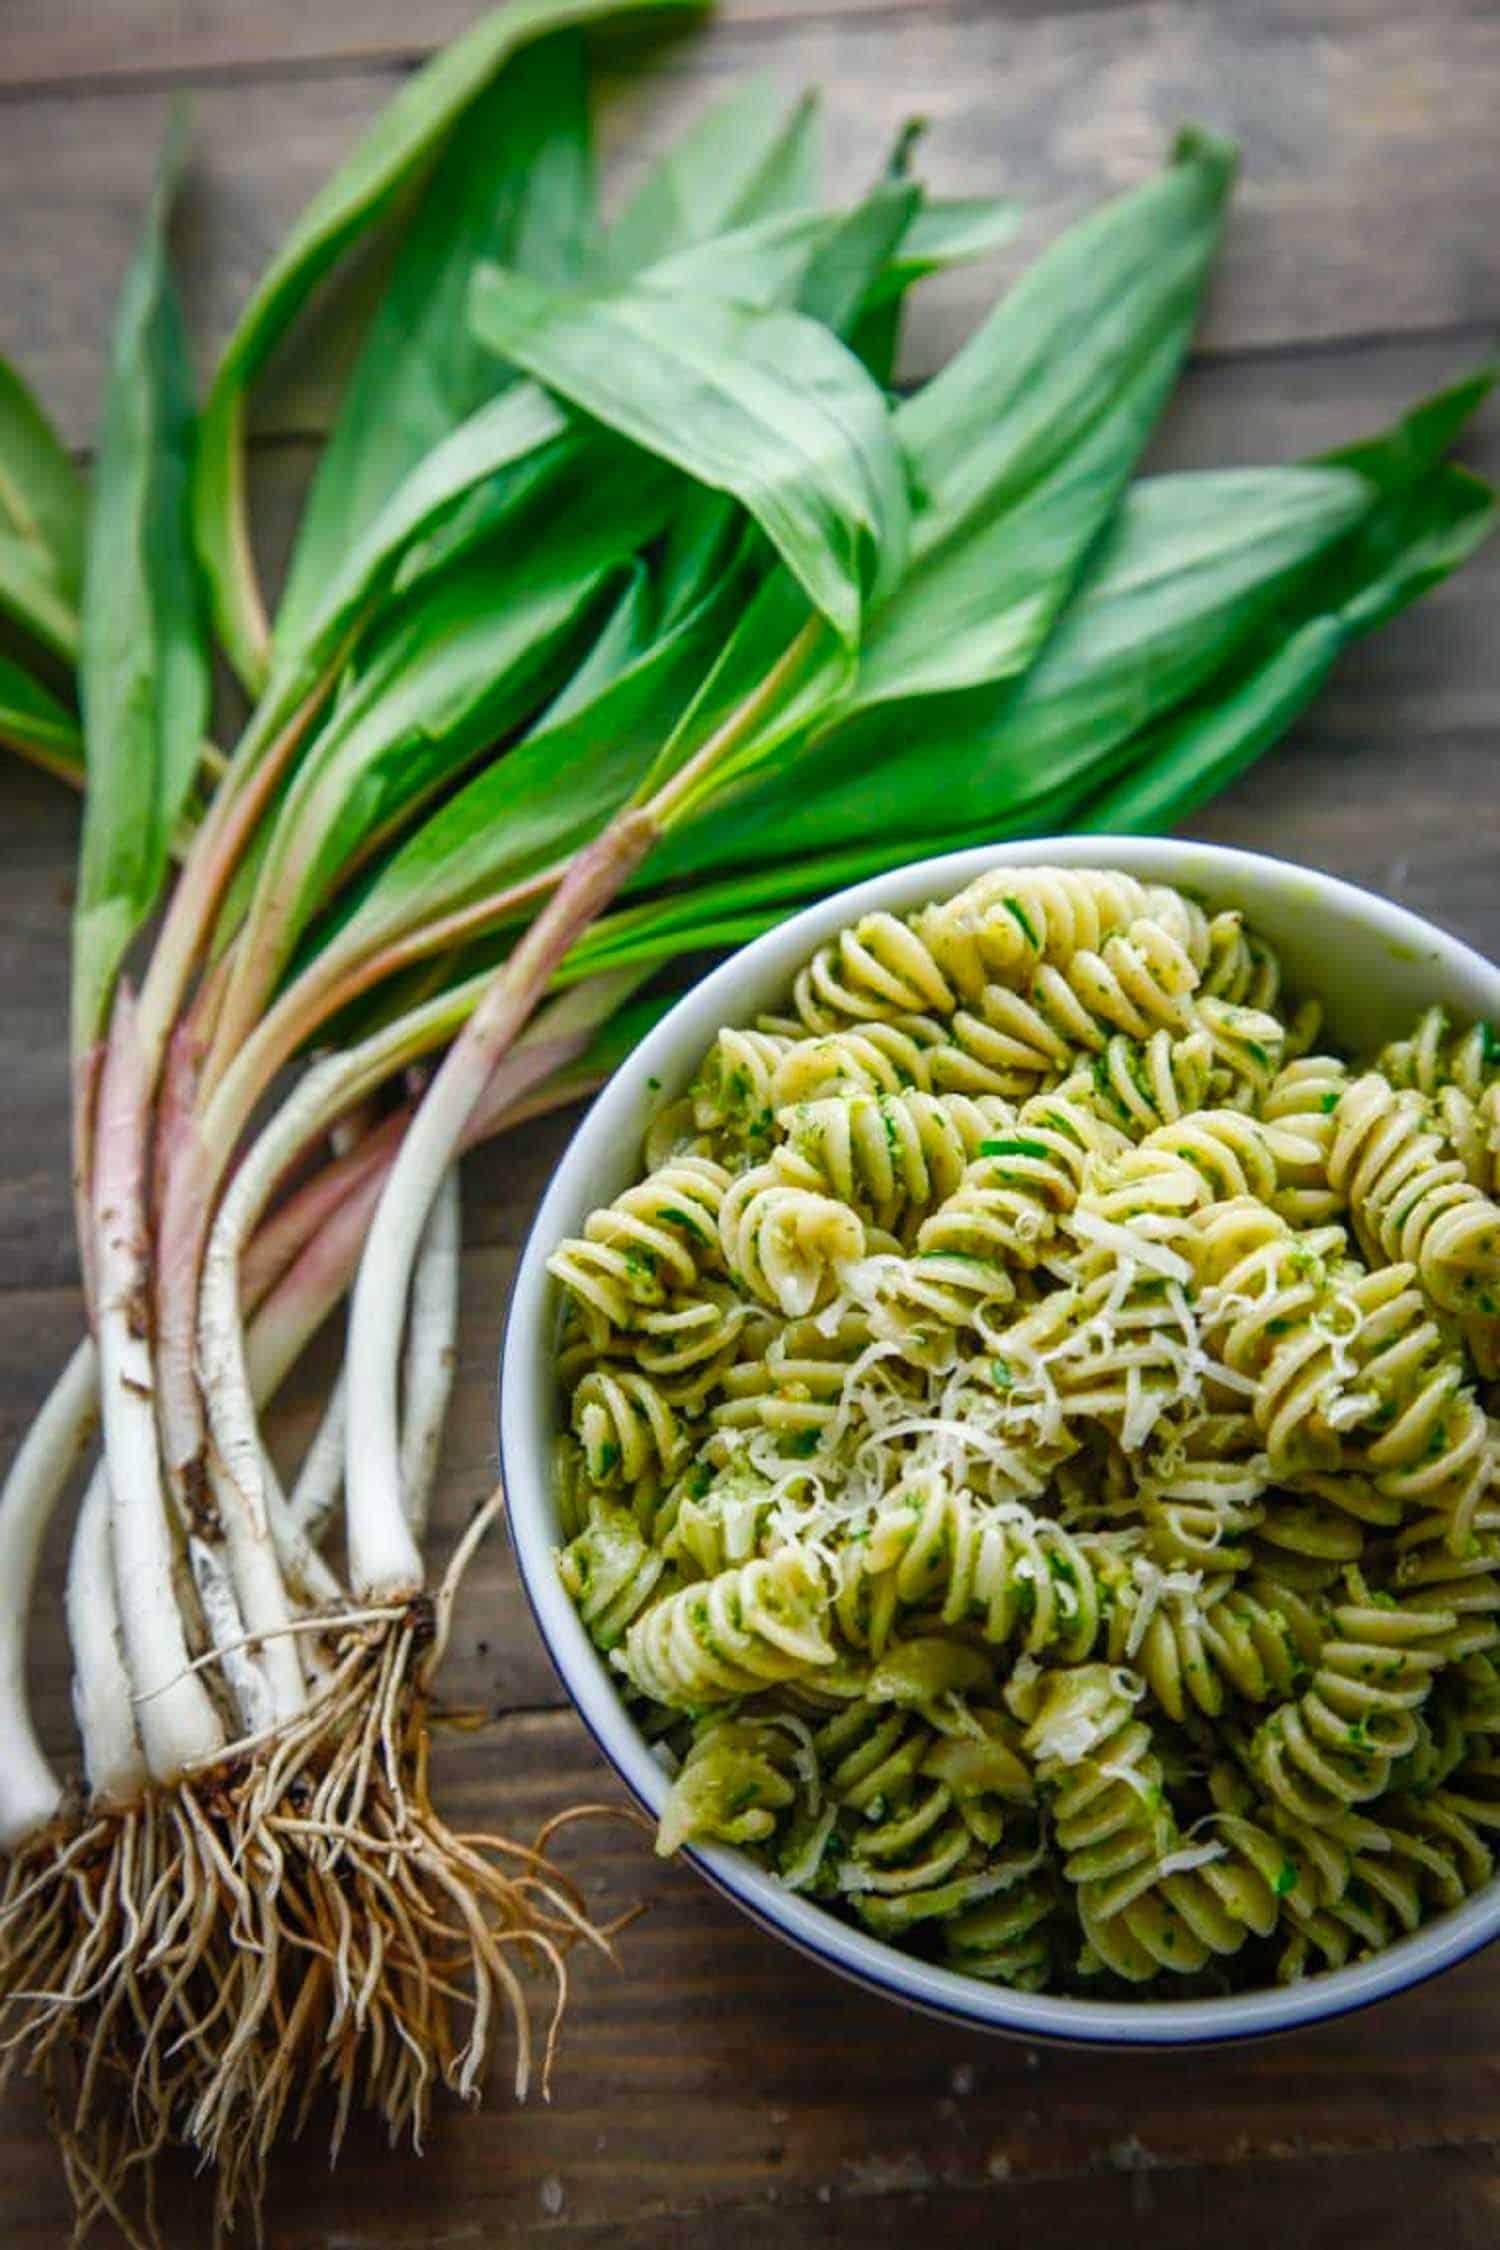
(653,1239)
(927,1829)
(1247,1047)
(686,1345)
(1183,1919)
(1010,1200)
(936,1305)
(794,1388)
(1437,1055)
(1336,1744)
(1007,1940)
(1010,1575)
(1026,1448)
(1243,969)
(737,1780)
(732,1092)
(1301,1101)
(1200,1489)
(891,1155)
(1103,1782)
(880,969)
(1005,926)
(612,1571)
(866,1058)
(1138,1084)
(784,1239)
(708,1643)
(1411,1200)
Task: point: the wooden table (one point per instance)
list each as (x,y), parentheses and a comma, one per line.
(715,2089)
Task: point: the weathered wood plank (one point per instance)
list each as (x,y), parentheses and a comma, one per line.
(38,844)
(42,41)
(1187,2209)
(1366,203)
(717,2081)
(41,45)
(720,2089)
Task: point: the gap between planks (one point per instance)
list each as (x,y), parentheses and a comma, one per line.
(72,48)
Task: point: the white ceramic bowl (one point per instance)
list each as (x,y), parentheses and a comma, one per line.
(1376,966)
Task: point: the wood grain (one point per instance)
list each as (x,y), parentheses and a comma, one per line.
(43,41)
(1365,206)
(714,2088)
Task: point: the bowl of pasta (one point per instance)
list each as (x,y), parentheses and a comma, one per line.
(993,1411)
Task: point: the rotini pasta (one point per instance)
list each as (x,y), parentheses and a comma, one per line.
(879,969)
(659,1237)
(1102,1780)
(891,1155)
(1301,1101)
(1247,1047)
(1007,1940)
(1138,1084)
(1005,926)
(1011,1200)
(1027,1455)
(1437,1055)
(730,1635)
(1410,1198)
(738,1778)
(612,1571)
(1335,1746)
(732,1093)
(1009,1574)
(869,1058)
(783,1238)
(625,1426)
(926,1818)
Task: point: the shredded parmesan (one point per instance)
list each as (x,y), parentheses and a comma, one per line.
(804,1756)
(1130,1246)
(1189,1856)
(1152,1585)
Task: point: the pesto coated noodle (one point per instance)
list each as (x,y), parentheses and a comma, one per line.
(1029,1463)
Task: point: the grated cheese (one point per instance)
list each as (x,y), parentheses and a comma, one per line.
(1183,1861)
(1130,1246)
(1154,1583)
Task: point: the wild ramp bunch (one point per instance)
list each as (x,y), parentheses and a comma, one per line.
(629,608)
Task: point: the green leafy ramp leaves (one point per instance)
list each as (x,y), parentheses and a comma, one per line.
(404,138)
(747,159)
(515,182)
(41,522)
(1021,447)
(1018,454)
(1166,768)
(1428,519)
(144,673)
(1190,565)
(447,675)
(550,794)
(766,405)
(35,723)
(484,470)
